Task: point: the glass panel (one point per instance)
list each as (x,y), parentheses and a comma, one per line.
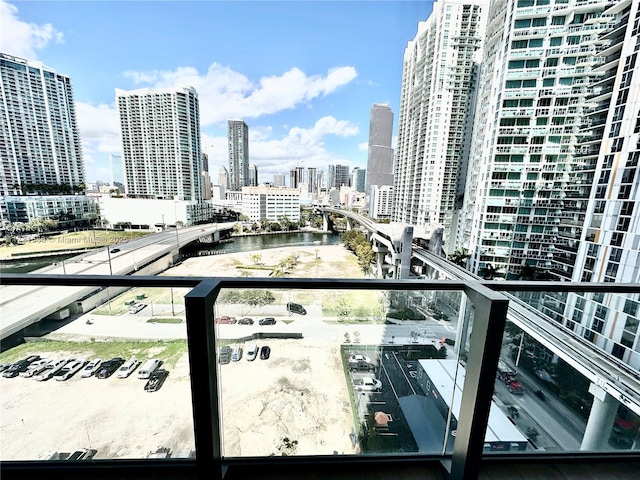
(322,372)
(562,370)
(111,383)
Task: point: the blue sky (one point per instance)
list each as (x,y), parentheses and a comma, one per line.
(302,74)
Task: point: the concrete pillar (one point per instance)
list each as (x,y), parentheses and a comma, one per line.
(380,264)
(349,223)
(325,222)
(405,260)
(601,418)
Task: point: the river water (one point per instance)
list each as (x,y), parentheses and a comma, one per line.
(239,244)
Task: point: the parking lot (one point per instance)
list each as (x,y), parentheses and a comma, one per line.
(397,372)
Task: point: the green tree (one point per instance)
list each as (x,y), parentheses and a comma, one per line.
(256,258)
(460,257)
(489,272)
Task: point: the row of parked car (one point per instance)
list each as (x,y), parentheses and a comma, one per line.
(228,354)
(244,321)
(62,369)
(358,362)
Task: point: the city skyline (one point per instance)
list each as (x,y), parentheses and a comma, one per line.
(307,102)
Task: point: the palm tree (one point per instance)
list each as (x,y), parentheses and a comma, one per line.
(528,272)
(460,257)
(489,272)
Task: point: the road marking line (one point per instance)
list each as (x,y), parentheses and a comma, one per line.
(405,375)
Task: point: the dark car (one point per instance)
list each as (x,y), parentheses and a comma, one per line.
(224,356)
(115,250)
(267,321)
(245,321)
(265,352)
(296,308)
(20,366)
(109,367)
(156,380)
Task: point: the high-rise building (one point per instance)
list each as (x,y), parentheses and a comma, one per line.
(380,202)
(358,177)
(331,175)
(39,139)
(117,169)
(161,143)
(278,180)
(293,178)
(380,154)
(312,180)
(206,179)
(529,171)
(223,177)
(339,176)
(238,154)
(253,176)
(597,233)
(439,80)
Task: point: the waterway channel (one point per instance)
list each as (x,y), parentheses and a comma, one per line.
(239,244)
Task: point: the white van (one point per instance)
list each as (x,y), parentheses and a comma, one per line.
(252,351)
(148,368)
(236,355)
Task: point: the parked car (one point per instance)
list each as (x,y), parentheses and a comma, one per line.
(361,363)
(296,308)
(252,351)
(70,369)
(156,380)
(83,454)
(245,321)
(35,368)
(107,368)
(267,321)
(115,250)
(20,366)
(136,307)
(91,368)
(128,367)
(224,356)
(53,367)
(226,319)
(148,368)
(4,366)
(367,384)
(265,352)
(236,354)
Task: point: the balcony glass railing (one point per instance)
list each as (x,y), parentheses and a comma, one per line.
(254,368)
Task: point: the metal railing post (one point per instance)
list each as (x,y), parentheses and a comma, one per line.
(482,364)
(201,342)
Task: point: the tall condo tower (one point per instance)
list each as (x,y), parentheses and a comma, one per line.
(531,165)
(439,81)
(161,143)
(39,139)
(380,155)
(599,224)
(238,154)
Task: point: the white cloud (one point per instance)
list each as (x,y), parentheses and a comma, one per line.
(224,93)
(22,39)
(100,134)
(363,147)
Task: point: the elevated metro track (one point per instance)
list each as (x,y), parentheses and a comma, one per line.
(617,378)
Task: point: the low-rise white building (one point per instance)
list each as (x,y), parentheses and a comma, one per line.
(267,203)
(380,202)
(25,208)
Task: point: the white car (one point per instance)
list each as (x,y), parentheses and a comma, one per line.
(70,369)
(53,367)
(35,368)
(367,384)
(127,369)
(91,368)
(355,358)
(133,309)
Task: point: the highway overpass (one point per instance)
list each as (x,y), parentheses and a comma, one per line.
(23,306)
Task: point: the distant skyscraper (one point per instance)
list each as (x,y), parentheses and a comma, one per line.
(161,142)
(223,177)
(253,176)
(206,179)
(358,179)
(293,178)
(39,139)
(238,154)
(331,176)
(436,113)
(380,155)
(340,176)
(312,180)
(117,169)
(278,180)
